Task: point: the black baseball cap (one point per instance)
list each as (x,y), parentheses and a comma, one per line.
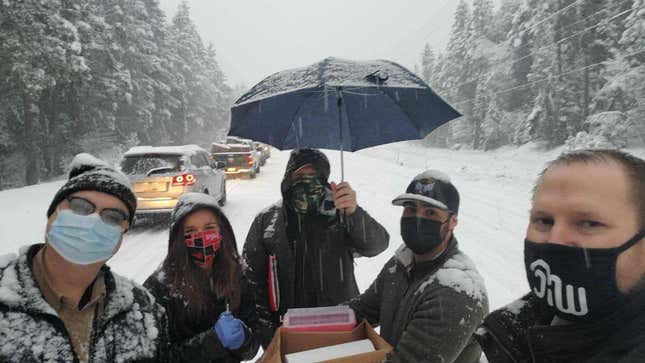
(432,187)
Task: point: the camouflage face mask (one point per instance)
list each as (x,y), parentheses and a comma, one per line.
(306,195)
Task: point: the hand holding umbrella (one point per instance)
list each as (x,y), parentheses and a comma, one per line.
(344,198)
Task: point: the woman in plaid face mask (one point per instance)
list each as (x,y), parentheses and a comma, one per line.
(211,313)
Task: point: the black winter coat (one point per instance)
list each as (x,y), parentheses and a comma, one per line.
(522,332)
(321,260)
(129,327)
(427,312)
(201,344)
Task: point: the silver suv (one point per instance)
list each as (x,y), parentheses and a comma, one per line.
(160,174)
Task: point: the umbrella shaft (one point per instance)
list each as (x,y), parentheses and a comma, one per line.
(342,166)
(339,103)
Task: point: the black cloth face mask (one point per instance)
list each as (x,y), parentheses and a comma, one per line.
(421,235)
(306,195)
(579,283)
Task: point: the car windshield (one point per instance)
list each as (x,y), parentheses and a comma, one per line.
(142,164)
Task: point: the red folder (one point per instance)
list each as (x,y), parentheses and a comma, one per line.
(273,284)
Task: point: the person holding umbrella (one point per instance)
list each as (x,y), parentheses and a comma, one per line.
(298,253)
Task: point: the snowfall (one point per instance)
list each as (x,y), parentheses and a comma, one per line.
(495,189)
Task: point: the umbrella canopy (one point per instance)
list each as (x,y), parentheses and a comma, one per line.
(339,104)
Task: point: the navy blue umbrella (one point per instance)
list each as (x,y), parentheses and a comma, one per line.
(339,104)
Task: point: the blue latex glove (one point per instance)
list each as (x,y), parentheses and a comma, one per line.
(230,331)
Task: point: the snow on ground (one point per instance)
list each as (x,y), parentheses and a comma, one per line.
(494,186)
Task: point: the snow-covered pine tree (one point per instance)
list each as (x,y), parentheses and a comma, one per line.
(39,51)
(479,65)
(427,63)
(204,96)
(632,80)
(504,20)
(455,74)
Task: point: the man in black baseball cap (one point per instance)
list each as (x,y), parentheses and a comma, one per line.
(430,215)
(429,298)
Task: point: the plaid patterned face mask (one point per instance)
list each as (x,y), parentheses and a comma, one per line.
(202,246)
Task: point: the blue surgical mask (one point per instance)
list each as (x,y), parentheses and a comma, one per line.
(83,240)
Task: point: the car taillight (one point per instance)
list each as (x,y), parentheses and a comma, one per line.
(184,179)
(249,159)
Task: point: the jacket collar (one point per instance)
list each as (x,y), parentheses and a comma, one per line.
(18,287)
(19,290)
(404,257)
(523,330)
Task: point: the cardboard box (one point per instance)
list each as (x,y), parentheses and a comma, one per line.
(285,342)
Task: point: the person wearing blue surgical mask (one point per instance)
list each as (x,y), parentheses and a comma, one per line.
(60,299)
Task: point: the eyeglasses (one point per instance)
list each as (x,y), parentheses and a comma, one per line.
(84,207)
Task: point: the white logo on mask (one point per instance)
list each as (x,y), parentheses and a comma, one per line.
(550,285)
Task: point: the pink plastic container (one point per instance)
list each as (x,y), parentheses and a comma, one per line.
(328,318)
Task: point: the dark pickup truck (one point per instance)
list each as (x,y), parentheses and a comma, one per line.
(239,159)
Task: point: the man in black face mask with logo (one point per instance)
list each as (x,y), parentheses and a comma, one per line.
(429,298)
(584,255)
(298,252)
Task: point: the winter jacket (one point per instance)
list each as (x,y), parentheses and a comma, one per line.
(428,311)
(128,327)
(325,263)
(522,332)
(202,344)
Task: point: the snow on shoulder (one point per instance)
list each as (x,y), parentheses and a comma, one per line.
(164,150)
(9,283)
(459,273)
(5,260)
(433,174)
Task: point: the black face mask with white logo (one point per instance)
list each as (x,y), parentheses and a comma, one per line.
(579,283)
(421,235)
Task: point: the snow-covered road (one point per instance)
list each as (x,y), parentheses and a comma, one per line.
(494,186)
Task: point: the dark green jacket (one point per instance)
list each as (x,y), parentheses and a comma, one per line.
(522,332)
(427,312)
(322,261)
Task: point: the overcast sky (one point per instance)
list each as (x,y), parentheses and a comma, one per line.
(255,38)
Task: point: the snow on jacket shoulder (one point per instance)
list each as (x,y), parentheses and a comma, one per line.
(130,327)
(427,314)
(521,332)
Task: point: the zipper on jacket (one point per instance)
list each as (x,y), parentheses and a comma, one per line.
(502,347)
(93,336)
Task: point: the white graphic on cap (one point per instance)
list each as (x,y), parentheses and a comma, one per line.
(551,286)
(423,188)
